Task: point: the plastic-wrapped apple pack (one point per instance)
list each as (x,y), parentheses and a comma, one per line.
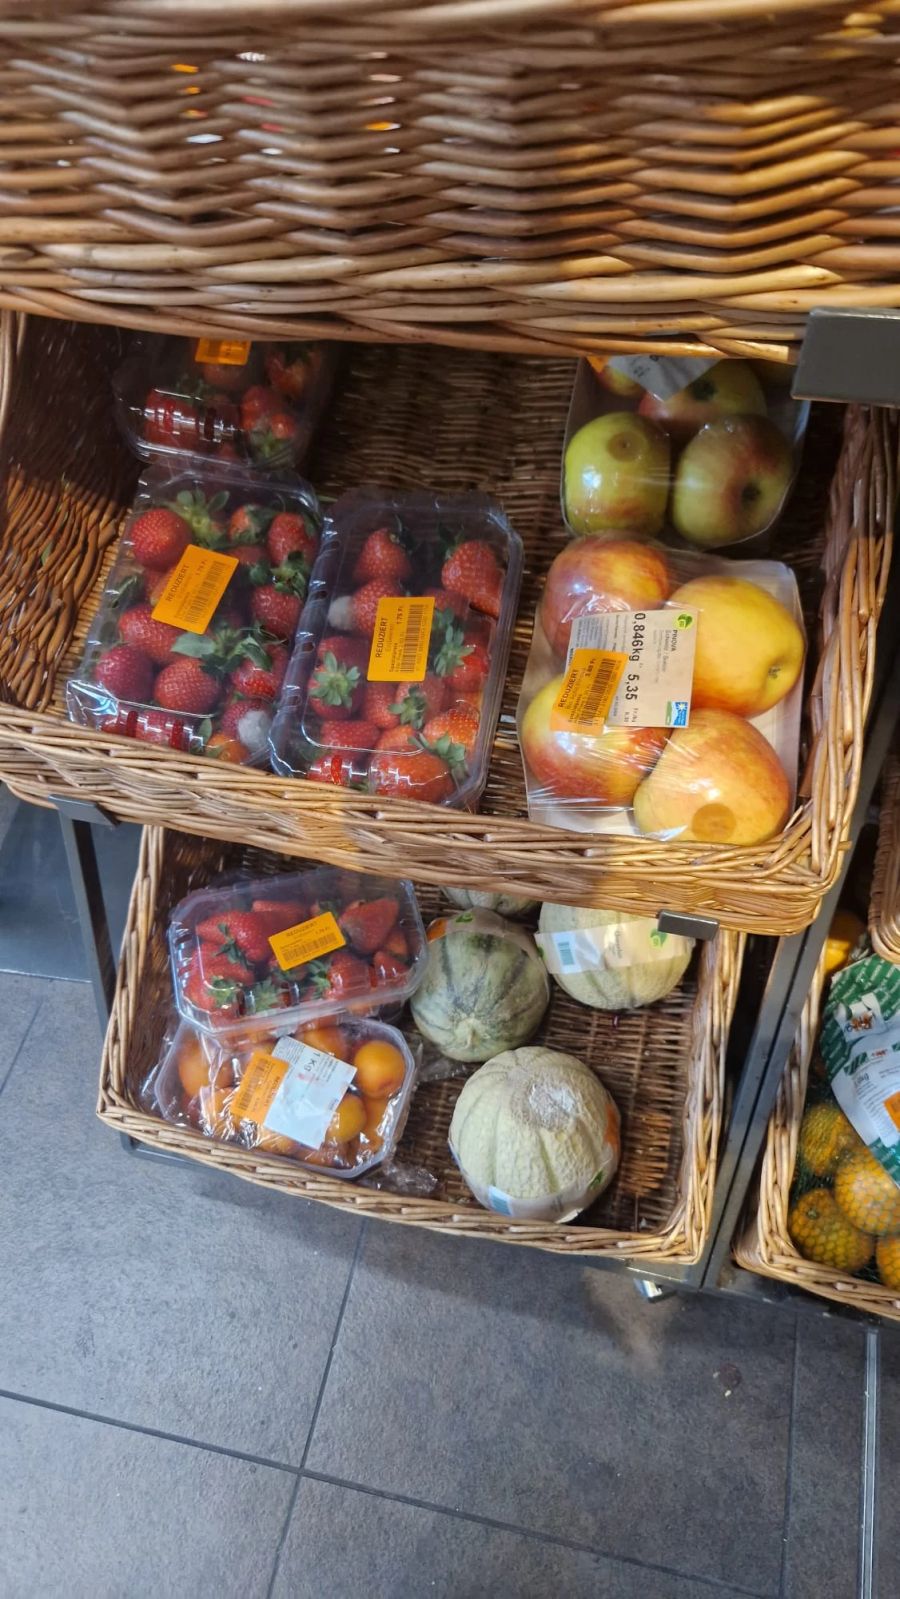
(701,450)
(662,694)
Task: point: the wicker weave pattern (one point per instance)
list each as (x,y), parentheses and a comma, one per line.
(884,907)
(493,422)
(765,1246)
(528,175)
(664,1066)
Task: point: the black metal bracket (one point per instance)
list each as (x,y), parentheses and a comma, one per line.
(687,926)
(83,811)
(850,355)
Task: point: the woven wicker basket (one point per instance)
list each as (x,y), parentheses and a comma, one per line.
(452,420)
(664,1066)
(765,1246)
(520,175)
(884,906)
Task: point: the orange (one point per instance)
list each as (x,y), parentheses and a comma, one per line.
(330,1040)
(193,1067)
(887,1259)
(275,1143)
(844,933)
(372,1136)
(825,1137)
(327,1155)
(348,1120)
(380,1068)
(866,1194)
(822,1232)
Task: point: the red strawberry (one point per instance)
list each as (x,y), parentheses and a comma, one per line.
(276,610)
(416,702)
(454,604)
(379,704)
(277,915)
(387,968)
(172,419)
(292,371)
(203,516)
(250,554)
(460,724)
(383,555)
(154,584)
(248,721)
(274,438)
(291,534)
(396,943)
(336,685)
(125,672)
(347,735)
(185,686)
(463,659)
(220,376)
(248,524)
(399,738)
(472,569)
(156,727)
(261,674)
(338,768)
(216,982)
(256,402)
(242,935)
(356,613)
(366,923)
(159,538)
(155,639)
(416,774)
(347,974)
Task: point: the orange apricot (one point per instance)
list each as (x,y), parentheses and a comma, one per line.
(380,1068)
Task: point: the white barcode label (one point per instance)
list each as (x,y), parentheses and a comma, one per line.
(620,944)
(654,687)
(663,375)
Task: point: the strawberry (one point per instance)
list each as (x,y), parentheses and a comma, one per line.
(171,420)
(242,935)
(250,554)
(387,968)
(159,538)
(256,403)
(291,371)
(355,613)
(460,724)
(383,555)
(379,704)
(185,686)
(452,604)
(366,923)
(338,768)
(125,672)
(396,943)
(261,674)
(472,570)
(398,738)
(343,974)
(413,774)
(347,735)
(248,721)
(336,685)
(156,727)
(416,702)
(274,438)
(277,915)
(222,748)
(218,376)
(291,534)
(248,523)
(154,584)
(276,610)
(202,516)
(463,659)
(216,982)
(155,639)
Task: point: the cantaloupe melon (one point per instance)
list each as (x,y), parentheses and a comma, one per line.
(485,899)
(485,987)
(609,959)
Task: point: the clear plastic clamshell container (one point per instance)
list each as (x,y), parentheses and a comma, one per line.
(226,399)
(192,638)
(294,948)
(395,683)
(345,1085)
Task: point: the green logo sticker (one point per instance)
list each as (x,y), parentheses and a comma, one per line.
(658,937)
(684,620)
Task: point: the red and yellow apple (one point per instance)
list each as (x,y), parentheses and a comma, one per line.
(749,649)
(730,388)
(601,574)
(718,781)
(730,481)
(602,768)
(616,475)
(614,381)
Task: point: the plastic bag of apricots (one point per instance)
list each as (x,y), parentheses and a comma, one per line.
(331,1094)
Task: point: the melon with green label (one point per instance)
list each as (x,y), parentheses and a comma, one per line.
(535,1134)
(485,899)
(485,987)
(610,960)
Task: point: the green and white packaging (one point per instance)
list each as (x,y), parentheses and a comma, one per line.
(860,1045)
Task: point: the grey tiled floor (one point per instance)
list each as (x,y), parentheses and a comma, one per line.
(210,1390)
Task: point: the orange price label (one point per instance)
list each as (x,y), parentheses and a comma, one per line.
(892,1106)
(195,588)
(306,940)
(223,352)
(400,641)
(588,690)
(260,1083)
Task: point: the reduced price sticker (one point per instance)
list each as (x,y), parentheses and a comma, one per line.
(222,352)
(588,689)
(194,589)
(401,638)
(306,941)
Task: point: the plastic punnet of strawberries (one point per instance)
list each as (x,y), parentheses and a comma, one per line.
(395,683)
(199,673)
(229,399)
(295,947)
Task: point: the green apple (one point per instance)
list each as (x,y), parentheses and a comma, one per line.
(730,388)
(731,481)
(617,475)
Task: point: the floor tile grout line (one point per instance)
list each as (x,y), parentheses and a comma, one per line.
(289,1514)
(149,1432)
(717,1584)
(23,1041)
(789,1463)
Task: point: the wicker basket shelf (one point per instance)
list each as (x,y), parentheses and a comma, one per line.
(414,415)
(663,1065)
(521,175)
(765,1246)
(884,907)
